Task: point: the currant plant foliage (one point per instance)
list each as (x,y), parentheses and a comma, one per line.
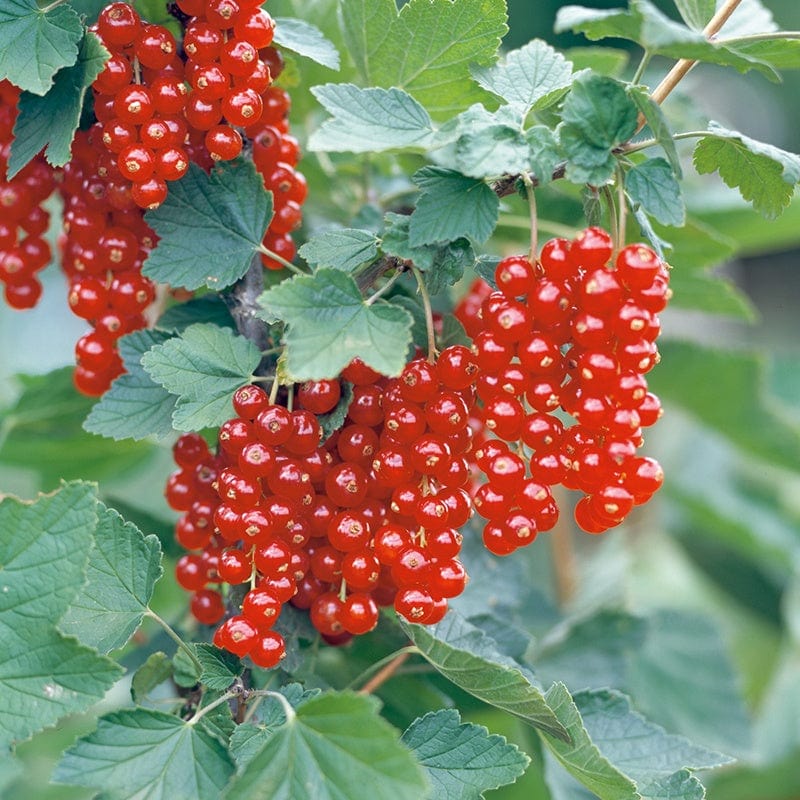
(375,392)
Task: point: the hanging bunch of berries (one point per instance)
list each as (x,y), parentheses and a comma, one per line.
(23,220)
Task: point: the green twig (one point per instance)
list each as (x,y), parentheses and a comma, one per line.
(426,304)
(175,638)
(282,261)
(385,288)
(534,219)
(229,695)
(637,76)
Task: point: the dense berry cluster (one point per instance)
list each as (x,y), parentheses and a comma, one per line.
(368,517)
(574,333)
(160,103)
(23,221)
(159,110)
(103,246)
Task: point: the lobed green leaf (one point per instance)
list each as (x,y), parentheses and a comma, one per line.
(469,658)
(123,568)
(462,760)
(369,120)
(143,754)
(37,43)
(653,186)
(203,367)
(209,227)
(534,76)
(307,40)
(451,205)
(344,248)
(329,323)
(336,746)
(135,406)
(764,174)
(48,122)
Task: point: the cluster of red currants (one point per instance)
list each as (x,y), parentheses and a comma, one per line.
(158,110)
(103,246)
(574,333)
(367,518)
(23,220)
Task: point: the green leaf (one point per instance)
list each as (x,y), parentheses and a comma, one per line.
(443,265)
(683,679)
(653,186)
(431,46)
(645,24)
(154,671)
(220,668)
(452,205)
(657,122)
(469,658)
(44,676)
(209,227)
(462,760)
(764,174)
(49,122)
(779,53)
(535,76)
(643,751)
(249,738)
(336,746)
(43,565)
(208,308)
(36,44)
(696,13)
(345,249)
(369,120)
(751,16)
(694,378)
(44,435)
(185,671)
(203,366)
(600,109)
(366,27)
(604,60)
(334,420)
(543,152)
(597,115)
(329,324)
(673,664)
(124,565)
(135,406)
(307,40)
(488,146)
(147,753)
(580,756)
(695,249)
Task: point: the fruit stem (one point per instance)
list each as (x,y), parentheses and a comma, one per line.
(384,669)
(282,261)
(526,179)
(682,67)
(613,220)
(175,638)
(637,76)
(426,304)
(229,695)
(622,206)
(385,288)
(288,711)
(273,392)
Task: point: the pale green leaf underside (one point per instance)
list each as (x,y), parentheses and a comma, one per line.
(306,40)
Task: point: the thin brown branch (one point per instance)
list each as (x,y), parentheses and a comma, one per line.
(242,302)
(379,678)
(682,67)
